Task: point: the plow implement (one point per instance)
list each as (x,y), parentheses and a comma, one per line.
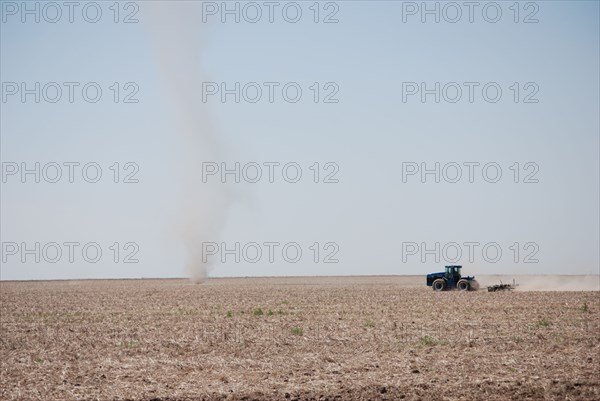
(502,287)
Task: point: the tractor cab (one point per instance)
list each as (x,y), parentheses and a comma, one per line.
(452,275)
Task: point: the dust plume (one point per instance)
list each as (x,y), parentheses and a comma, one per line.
(178,39)
(559,283)
(545,282)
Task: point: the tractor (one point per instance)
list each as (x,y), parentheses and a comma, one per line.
(451,279)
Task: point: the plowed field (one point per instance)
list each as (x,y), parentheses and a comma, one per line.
(331,338)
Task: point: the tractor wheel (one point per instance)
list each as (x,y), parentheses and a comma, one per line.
(474,285)
(439,285)
(463,285)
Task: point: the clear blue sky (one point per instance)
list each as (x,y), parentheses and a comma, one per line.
(369,133)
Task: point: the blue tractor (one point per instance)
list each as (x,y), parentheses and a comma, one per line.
(451,279)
